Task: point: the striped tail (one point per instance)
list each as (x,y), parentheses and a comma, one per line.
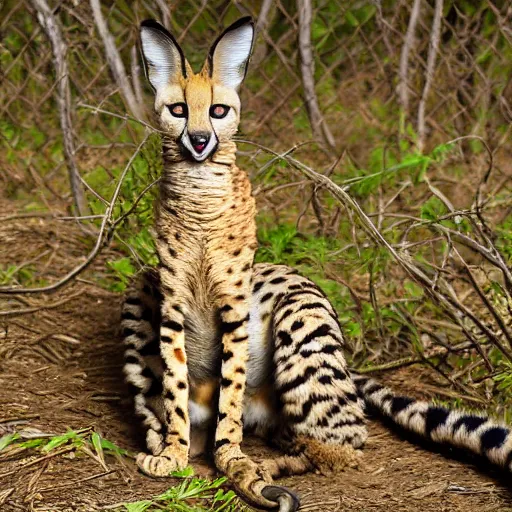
(475,433)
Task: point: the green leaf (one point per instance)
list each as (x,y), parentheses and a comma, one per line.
(183,473)
(6,440)
(137,506)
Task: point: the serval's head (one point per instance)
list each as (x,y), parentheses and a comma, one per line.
(201,110)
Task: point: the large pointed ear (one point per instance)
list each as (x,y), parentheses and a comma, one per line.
(164,61)
(229,55)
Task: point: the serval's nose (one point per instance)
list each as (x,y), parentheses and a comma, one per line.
(199,141)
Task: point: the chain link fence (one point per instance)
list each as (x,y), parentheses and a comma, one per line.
(320,69)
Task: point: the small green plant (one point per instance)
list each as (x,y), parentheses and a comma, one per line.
(192,495)
(83,440)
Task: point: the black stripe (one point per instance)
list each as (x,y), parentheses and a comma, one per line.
(171,324)
(297,381)
(134,301)
(221,442)
(227,327)
(348,423)
(277,280)
(180,413)
(399,403)
(266,297)
(128,315)
(469,422)
(435,418)
(240,339)
(257,287)
(494,438)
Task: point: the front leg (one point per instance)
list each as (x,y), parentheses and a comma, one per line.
(176,436)
(248,477)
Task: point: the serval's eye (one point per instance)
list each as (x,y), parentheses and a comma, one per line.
(219,111)
(178,109)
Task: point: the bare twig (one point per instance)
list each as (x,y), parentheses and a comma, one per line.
(307,66)
(431,62)
(51,26)
(115,62)
(100,240)
(403,87)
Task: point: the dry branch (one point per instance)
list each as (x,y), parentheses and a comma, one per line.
(403,72)
(51,26)
(102,239)
(115,62)
(307,66)
(431,63)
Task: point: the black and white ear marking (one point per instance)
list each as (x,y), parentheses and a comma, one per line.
(230,53)
(164,61)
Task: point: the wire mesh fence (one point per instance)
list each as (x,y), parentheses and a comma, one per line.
(378,86)
(378,63)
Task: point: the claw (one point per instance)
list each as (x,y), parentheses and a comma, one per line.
(288,501)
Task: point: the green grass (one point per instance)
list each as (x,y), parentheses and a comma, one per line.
(192,495)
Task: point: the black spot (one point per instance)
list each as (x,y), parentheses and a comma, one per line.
(297,325)
(335,409)
(351,397)
(238,283)
(257,287)
(134,301)
(171,324)
(399,403)
(240,297)
(169,395)
(240,370)
(295,287)
(493,438)
(177,308)
(221,442)
(229,270)
(277,280)
(323,422)
(177,235)
(221,416)
(267,272)
(231,237)
(225,308)
(180,413)
(284,338)
(165,339)
(238,386)
(266,297)
(265,316)
(434,418)
(240,339)
(182,385)
(246,267)
(325,379)
(225,382)
(226,356)
(319,332)
(172,252)
(237,252)
(182,441)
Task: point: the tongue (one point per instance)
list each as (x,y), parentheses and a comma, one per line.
(199,147)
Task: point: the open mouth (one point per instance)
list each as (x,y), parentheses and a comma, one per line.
(199,146)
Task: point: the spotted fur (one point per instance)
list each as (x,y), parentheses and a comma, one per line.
(215,344)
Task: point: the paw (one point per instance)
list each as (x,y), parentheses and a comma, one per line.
(158,466)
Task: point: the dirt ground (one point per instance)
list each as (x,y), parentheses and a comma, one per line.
(60,368)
